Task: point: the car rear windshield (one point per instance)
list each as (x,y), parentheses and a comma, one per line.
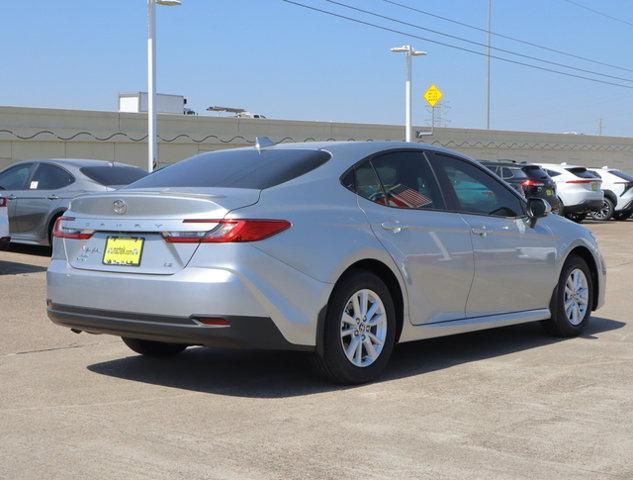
(622,175)
(237,169)
(114,175)
(582,172)
(535,172)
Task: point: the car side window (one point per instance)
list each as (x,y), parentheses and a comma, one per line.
(50,177)
(552,173)
(408,181)
(366,183)
(15,177)
(473,190)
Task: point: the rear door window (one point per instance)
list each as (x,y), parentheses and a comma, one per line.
(115,175)
(408,181)
(50,177)
(14,178)
(622,175)
(237,169)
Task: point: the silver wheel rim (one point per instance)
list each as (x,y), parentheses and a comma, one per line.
(603,212)
(576,298)
(363,328)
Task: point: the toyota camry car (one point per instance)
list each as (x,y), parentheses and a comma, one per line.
(338,249)
(4,222)
(39,191)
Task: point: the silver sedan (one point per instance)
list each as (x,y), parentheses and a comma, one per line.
(338,249)
(39,191)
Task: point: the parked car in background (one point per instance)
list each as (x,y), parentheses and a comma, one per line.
(4,222)
(39,191)
(578,189)
(528,179)
(617,187)
(338,249)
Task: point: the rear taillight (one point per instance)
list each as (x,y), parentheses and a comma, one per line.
(4,202)
(60,231)
(532,183)
(229,231)
(579,181)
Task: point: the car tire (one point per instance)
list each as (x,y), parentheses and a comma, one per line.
(606,212)
(574,287)
(153,349)
(621,216)
(576,217)
(347,330)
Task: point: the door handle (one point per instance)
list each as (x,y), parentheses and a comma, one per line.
(481,231)
(53,197)
(393,227)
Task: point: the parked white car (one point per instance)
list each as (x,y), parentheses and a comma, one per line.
(4,222)
(618,194)
(578,189)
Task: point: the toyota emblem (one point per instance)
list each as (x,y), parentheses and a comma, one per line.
(119,207)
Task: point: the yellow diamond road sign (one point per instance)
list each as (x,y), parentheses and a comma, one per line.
(433,95)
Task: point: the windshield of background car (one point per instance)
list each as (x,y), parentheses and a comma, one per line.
(582,172)
(113,175)
(237,169)
(622,175)
(535,172)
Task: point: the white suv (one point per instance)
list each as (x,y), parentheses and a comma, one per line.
(4,222)
(578,189)
(618,194)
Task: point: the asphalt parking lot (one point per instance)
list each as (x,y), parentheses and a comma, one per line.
(511,403)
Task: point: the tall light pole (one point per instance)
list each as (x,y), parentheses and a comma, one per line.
(152,133)
(409,52)
(488,76)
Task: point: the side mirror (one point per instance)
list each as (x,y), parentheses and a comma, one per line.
(537,208)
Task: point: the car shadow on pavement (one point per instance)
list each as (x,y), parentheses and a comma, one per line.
(17,268)
(38,250)
(264,374)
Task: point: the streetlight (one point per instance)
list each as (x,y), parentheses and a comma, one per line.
(409,52)
(152,134)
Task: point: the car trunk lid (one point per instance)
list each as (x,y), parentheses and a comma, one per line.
(126,228)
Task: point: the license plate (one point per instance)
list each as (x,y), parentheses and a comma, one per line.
(594,186)
(549,192)
(125,251)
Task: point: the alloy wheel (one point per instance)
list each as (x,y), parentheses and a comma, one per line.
(363,328)
(604,212)
(576,298)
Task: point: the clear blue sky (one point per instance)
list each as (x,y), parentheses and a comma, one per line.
(286,62)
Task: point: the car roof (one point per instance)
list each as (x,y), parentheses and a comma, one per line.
(508,163)
(560,166)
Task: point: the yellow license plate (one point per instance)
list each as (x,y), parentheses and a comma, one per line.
(125,251)
(549,193)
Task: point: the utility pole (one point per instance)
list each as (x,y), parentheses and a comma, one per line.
(488,76)
(409,52)
(600,127)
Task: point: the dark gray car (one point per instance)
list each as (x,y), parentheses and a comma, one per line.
(39,191)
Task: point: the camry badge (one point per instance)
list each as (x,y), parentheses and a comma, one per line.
(119,207)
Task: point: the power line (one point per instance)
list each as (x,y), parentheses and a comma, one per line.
(455,47)
(508,37)
(479,44)
(597,12)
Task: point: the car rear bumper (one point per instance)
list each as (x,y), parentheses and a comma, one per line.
(585,206)
(4,242)
(242,332)
(259,286)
